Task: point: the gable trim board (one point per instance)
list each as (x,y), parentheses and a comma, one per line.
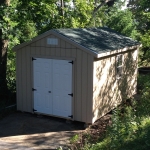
(95,88)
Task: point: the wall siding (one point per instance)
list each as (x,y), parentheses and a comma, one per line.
(84,81)
(82,75)
(23,76)
(19,80)
(108,91)
(89,102)
(78,81)
(28,79)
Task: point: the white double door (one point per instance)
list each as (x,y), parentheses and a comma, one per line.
(52,83)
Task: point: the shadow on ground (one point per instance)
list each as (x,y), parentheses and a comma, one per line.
(24,123)
(29,131)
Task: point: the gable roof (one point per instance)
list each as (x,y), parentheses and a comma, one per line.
(99,41)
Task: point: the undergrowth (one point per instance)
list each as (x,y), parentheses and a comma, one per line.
(130,128)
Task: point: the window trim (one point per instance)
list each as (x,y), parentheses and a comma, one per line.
(119,59)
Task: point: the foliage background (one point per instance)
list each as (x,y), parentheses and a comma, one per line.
(22,20)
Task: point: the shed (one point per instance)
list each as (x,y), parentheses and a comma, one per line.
(78,74)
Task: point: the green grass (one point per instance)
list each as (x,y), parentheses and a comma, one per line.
(136,138)
(130,129)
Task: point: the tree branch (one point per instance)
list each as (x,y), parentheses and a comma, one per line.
(104,2)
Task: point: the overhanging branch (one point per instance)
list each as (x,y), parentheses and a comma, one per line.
(104,2)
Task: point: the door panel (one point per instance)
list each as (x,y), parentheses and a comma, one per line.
(62,86)
(53,83)
(42,84)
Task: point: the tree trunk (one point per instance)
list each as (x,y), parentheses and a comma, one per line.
(3,56)
(109,3)
(62,12)
(3,64)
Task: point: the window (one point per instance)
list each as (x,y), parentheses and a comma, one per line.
(52,41)
(119,66)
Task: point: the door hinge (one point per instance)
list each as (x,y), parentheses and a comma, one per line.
(70,116)
(33,89)
(71,94)
(34,110)
(71,62)
(33,59)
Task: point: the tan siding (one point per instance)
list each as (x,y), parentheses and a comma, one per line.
(47,51)
(62,52)
(19,81)
(108,91)
(33,49)
(89,102)
(106,94)
(43,51)
(57,52)
(78,80)
(74,86)
(43,42)
(38,43)
(24,78)
(73,52)
(53,51)
(29,81)
(37,51)
(84,85)
(62,44)
(68,46)
(68,52)
(128,86)
(59,43)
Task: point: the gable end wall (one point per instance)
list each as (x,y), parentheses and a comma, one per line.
(82,75)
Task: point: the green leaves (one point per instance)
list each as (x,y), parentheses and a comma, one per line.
(121,20)
(141,12)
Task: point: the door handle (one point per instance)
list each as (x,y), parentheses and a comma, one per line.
(49,91)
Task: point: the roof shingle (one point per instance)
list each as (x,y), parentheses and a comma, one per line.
(98,40)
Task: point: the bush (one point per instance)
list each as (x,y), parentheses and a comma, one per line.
(130,127)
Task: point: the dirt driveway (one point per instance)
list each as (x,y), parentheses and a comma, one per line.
(26,131)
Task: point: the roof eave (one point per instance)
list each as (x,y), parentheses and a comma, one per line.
(105,54)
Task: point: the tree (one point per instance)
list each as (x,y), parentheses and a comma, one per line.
(9,36)
(141,12)
(98,4)
(122,21)
(4,4)
(22,20)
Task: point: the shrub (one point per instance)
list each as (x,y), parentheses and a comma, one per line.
(130,127)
